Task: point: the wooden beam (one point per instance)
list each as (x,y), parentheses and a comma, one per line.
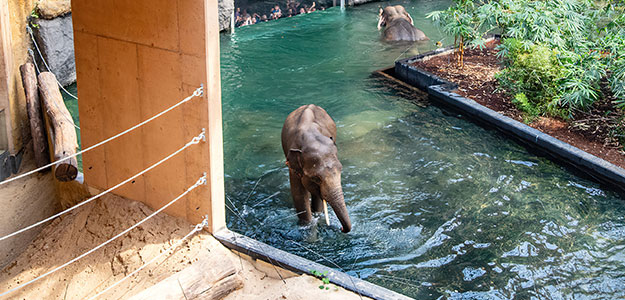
(33,107)
(211,277)
(212,91)
(61,131)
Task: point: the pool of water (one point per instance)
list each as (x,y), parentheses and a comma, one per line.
(72,105)
(440,207)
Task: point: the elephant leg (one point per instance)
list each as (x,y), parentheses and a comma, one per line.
(317,204)
(301,198)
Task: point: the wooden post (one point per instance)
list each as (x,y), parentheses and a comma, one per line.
(61,132)
(33,106)
(215,131)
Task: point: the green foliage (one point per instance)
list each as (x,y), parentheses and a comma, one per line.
(555,52)
(521,101)
(462,21)
(324,278)
(531,75)
(34,14)
(614,45)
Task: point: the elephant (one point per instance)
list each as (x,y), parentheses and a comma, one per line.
(399,25)
(309,145)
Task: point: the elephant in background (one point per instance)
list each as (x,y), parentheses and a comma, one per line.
(308,142)
(398,25)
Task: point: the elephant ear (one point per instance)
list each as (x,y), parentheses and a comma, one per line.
(293,160)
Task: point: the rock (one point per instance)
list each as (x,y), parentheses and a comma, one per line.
(56,41)
(226,8)
(50,9)
(356,2)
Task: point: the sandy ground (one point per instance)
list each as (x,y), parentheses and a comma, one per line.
(22,203)
(83,229)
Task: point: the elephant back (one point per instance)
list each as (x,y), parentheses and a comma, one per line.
(400,29)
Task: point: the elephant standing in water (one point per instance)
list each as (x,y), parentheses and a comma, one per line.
(308,142)
(399,25)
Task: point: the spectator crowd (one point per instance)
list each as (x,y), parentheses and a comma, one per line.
(292,8)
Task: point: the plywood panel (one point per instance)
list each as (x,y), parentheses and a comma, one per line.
(89,110)
(191,16)
(196,159)
(196,118)
(160,87)
(148,22)
(150,55)
(121,109)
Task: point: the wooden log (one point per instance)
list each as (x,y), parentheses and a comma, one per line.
(35,118)
(61,131)
(211,278)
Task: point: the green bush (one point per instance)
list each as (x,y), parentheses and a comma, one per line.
(533,75)
(580,42)
(521,101)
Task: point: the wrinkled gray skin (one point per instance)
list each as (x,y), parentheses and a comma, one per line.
(308,142)
(398,25)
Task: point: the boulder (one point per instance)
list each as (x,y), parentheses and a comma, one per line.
(50,9)
(226,8)
(56,41)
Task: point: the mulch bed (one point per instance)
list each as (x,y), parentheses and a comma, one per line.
(589,131)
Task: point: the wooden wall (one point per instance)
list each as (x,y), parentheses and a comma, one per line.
(134,59)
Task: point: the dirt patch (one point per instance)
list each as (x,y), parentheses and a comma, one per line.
(589,131)
(24,202)
(88,226)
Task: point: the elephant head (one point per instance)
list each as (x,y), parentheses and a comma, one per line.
(399,25)
(319,170)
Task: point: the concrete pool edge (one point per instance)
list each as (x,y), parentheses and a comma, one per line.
(441,90)
(300,265)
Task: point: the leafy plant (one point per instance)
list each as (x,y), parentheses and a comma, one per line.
(581,42)
(324,278)
(463,23)
(521,101)
(533,76)
(34,14)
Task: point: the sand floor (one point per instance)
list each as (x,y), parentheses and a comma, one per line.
(83,229)
(23,202)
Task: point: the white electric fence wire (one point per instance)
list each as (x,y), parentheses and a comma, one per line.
(199,182)
(32,37)
(30,51)
(194,141)
(197,228)
(198,92)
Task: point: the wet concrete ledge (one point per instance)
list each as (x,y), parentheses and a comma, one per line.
(441,91)
(300,265)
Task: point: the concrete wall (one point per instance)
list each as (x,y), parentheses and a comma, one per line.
(134,59)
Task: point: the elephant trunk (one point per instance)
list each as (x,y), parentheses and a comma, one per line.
(335,198)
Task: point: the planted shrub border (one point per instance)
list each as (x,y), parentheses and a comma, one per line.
(441,91)
(300,265)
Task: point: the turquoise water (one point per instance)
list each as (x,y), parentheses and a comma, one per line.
(441,208)
(72,106)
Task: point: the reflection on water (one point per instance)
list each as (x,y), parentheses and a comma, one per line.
(440,207)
